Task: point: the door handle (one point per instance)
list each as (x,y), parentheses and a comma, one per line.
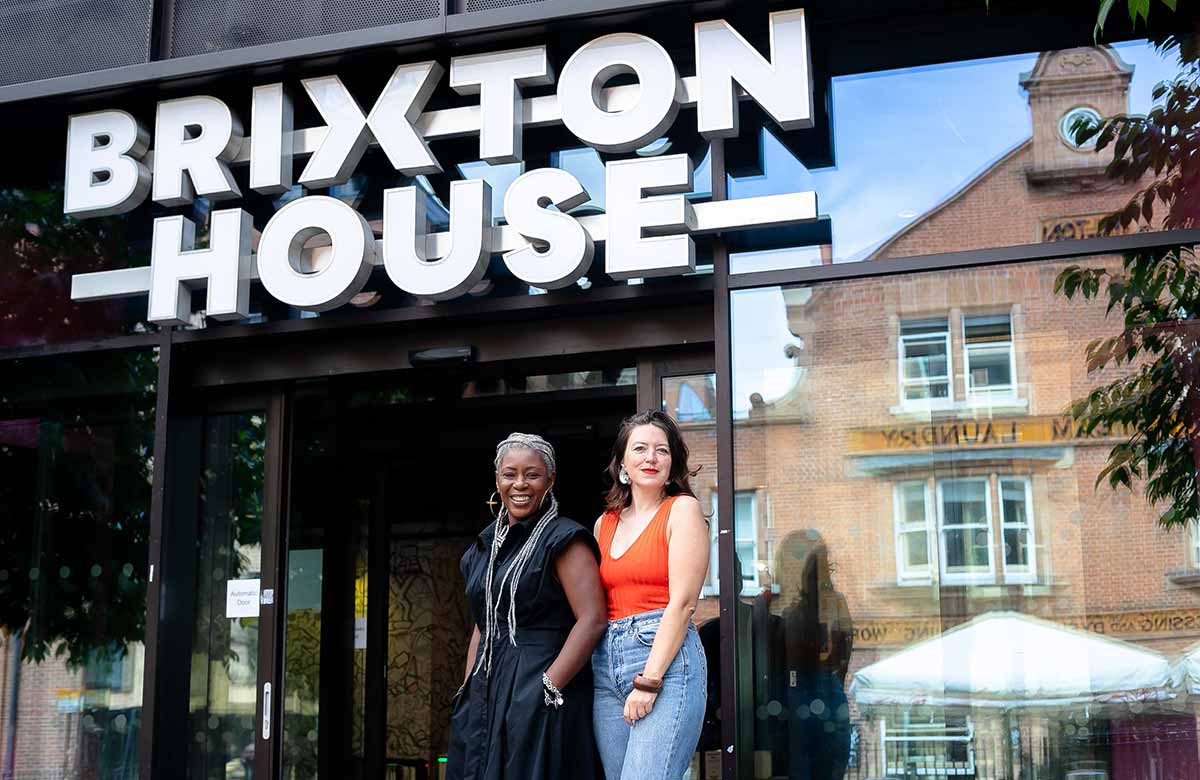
(266,722)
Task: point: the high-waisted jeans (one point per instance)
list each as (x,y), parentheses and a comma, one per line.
(660,745)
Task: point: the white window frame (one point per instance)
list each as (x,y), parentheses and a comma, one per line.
(905,383)
(969,577)
(750,586)
(929,733)
(1018,574)
(1194,547)
(1000,391)
(903,575)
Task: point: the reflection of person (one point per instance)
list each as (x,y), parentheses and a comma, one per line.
(524,711)
(757,636)
(650,668)
(817,640)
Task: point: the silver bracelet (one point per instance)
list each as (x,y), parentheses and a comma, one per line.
(554,697)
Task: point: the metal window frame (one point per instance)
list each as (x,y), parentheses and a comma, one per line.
(975,258)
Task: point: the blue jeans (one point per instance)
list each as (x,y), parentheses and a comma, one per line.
(660,745)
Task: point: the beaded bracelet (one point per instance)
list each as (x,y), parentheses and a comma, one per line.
(554,697)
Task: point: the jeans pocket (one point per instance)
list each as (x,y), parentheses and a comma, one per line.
(645,636)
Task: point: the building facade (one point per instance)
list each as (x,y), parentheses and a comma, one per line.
(246,422)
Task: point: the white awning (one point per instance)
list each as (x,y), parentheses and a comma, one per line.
(1009,660)
(1186,671)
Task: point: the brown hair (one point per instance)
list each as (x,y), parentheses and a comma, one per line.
(619,496)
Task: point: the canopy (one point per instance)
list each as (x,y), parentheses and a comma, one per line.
(1186,671)
(1009,660)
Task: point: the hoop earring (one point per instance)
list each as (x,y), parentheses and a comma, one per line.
(542,503)
(623,476)
(491,504)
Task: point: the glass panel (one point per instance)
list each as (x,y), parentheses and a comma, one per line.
(964,503)
(690,398)
(924,358)
(979,330)
(325,647)
(40,249)
(990,367)
(1016,657)
(76,437)
(224,669)
(692,401)
(916,549)
(975,155)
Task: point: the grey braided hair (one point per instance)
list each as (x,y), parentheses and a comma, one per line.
(526,441)
(512,575)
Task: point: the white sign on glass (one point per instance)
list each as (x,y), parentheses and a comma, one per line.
(241,598)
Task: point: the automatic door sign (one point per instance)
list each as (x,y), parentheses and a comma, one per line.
(650,226)
(241,598)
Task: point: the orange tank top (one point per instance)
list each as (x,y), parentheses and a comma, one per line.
(637,581)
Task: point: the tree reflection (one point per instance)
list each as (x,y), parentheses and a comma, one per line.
(74,494)
(1156,403)
(40,250)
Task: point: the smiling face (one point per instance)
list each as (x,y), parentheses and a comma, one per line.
(648,457)
(522,480)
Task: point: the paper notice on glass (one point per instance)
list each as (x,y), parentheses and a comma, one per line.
(241,598)
(360,633)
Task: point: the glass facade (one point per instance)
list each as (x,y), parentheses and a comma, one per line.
(957,504)
(945,587)
(76,438)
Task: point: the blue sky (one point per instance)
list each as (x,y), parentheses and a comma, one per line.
(905,140)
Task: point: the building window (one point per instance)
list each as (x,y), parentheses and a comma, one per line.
(745,531)
(912,514)
(965,530)
(1016,516)
(944,746)
(989,360)
(1193,537)
(925,360)
(963,515)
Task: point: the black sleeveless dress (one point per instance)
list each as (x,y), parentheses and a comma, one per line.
(501,728)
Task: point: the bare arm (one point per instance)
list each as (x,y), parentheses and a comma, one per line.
(579,574)
(687,563)
(472,650)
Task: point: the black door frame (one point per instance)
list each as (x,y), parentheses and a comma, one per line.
(175,503)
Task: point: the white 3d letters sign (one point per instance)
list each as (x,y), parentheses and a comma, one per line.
(105,174)
(617,93)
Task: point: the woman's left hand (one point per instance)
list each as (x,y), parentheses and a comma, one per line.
(638,705)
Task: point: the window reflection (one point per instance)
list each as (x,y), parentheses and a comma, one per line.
(956,540)
(76,436)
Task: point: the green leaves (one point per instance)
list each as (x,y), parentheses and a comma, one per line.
(1138,9)
(1157,403)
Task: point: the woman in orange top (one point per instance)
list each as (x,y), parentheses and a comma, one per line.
(649,670)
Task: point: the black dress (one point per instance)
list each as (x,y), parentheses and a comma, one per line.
(501,728)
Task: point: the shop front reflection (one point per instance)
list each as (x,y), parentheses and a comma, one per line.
(936,585)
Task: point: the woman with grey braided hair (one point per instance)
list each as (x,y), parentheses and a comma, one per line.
(524,711)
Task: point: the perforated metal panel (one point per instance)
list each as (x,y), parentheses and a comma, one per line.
(487,5)
(40,39)
(200,26)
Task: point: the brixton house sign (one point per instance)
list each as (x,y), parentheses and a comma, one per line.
(649,223)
